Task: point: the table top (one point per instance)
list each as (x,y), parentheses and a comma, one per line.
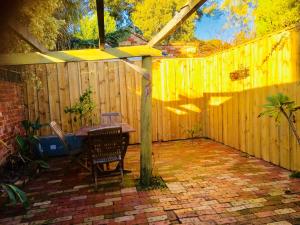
(83,131)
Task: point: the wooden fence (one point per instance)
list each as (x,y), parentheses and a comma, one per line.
(177,98)
(232,107)
(187,94)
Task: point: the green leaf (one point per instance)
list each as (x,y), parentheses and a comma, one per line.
(10,193)
(34,139)
(36,125)
(42,164)
(21,143)
(26,124)
(21,195)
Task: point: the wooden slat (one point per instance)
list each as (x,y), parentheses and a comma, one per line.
(54,102)
(94,84)
(78,55)
(74,86)
(84,76)
(111,87)
(155,90)
(123,92)
(295,59)
(138,92)
(159,95)
(250,104)
(43,98)
(274,89)
(64,96)
(256,103)
(29,71)
(165,102)
(102,87)
(264,91)
(131,100)
(117,87)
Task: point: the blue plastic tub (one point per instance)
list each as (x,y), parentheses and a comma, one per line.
(52,146)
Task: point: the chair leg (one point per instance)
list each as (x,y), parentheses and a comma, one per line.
(95,173)
(122,175)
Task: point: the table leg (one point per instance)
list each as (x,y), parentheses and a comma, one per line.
(83,158)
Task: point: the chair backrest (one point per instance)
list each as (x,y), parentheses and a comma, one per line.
(56,129)
(111,118)
(105,143)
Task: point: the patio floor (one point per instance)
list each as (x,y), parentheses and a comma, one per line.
(208,183)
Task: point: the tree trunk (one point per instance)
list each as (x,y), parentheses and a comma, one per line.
(291,124)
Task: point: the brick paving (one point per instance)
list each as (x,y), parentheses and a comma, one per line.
(208,183)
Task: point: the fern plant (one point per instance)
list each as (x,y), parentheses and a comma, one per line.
(280,105)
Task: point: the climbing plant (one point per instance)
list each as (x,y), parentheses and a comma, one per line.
(83,109)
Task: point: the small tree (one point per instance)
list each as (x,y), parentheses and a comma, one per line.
(281,105)
(83,109)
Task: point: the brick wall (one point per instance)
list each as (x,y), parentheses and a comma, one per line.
(11,113)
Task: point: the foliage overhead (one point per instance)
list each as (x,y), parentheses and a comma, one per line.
(253,18)
(64,24)
(120,10)
(150,16)
(38,17)
(272,15)
(88,26)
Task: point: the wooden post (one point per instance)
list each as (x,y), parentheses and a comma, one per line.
(24,33)
(146,124)
(100,17)
(185,12)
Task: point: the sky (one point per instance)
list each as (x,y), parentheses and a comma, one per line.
(211,27)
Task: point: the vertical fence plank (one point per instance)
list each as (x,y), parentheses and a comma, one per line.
(155,77)
(131,100)
(74,85)
(123,92)
(138,92)
(102,88)
(64,96)
(43,98)
(54,102)
(112,86)
(94,84)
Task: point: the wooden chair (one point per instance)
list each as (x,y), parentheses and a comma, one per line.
(111,118)
(105,146)
(60,134)
(75,153)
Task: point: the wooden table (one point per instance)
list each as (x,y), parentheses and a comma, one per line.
(83,132)
(126,129)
